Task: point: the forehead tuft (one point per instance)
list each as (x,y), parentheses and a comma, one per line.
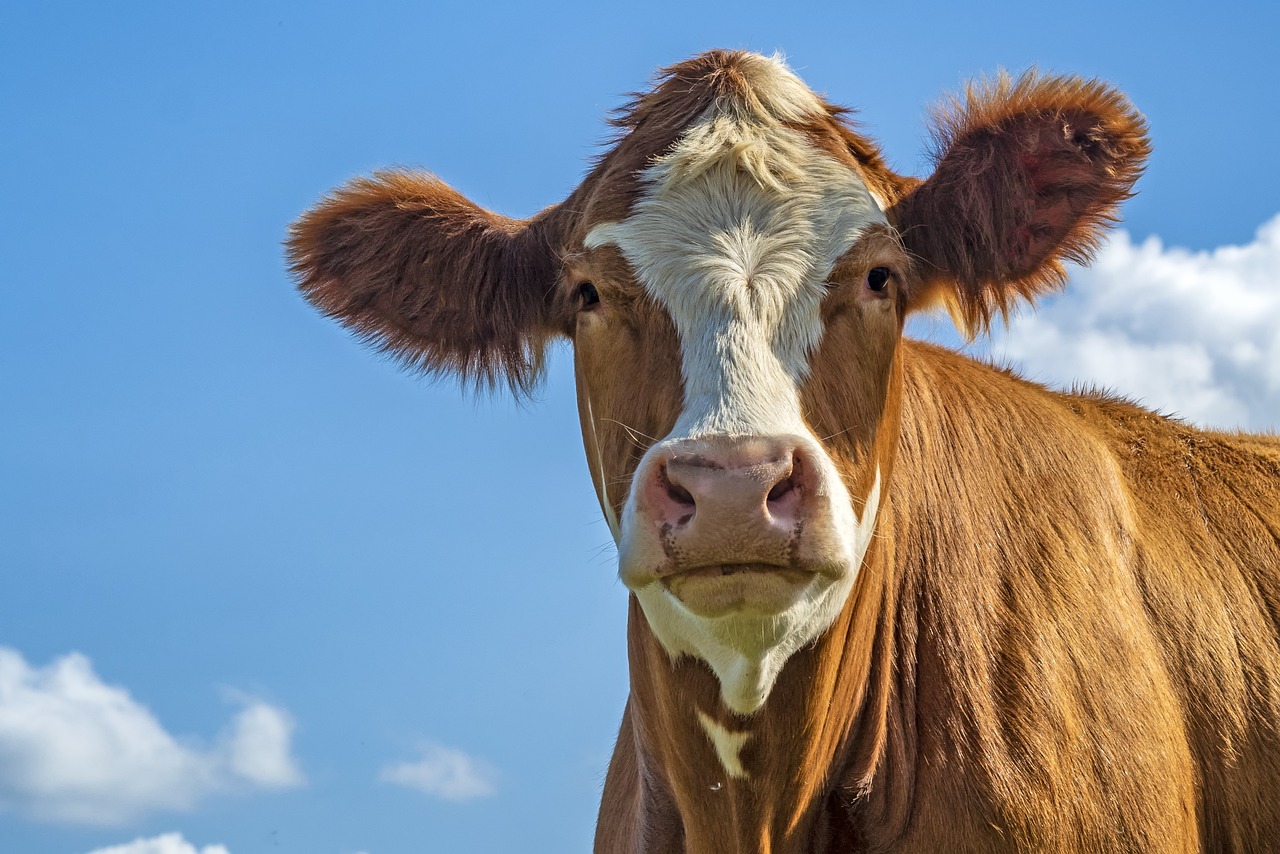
(737,82)
(764,88)
(725,142)
(722,108)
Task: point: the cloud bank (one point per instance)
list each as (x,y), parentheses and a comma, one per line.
(1196,334)
(444,773)
(75,749)
(169,843)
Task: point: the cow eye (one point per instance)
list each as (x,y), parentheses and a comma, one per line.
(878,278)
(588,295)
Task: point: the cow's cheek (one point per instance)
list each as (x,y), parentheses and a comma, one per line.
(630,392)
(846,395)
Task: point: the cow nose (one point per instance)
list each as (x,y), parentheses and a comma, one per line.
(741,487)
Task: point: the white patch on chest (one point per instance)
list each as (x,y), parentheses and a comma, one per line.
(728,745)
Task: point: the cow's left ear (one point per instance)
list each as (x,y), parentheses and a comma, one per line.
(1028,175)
(418,270)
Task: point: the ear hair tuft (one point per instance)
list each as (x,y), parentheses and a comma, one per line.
(1028,175)
(421,273)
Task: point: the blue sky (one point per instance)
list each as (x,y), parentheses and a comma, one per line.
(262,590)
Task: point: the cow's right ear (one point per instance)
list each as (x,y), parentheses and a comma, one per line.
(413,267)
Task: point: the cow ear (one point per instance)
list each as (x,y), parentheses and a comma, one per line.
(1028,174)
(413,267)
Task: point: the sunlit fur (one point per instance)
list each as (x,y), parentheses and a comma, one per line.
(1063,635)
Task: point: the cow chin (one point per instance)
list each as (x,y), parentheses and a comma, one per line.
(745,628)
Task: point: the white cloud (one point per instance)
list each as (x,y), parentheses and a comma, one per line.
(1195,334)
(445,773)
(257,749)
(169,843)
(75,749)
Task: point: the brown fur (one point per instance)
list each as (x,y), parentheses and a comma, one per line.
(1065,635)
(420,272)
(1027,175)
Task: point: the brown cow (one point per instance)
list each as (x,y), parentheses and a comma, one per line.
(884,597)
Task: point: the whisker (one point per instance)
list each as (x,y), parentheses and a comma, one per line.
(601,553)
(631,431)
(833,435)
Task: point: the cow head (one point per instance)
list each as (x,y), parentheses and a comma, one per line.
(734,276)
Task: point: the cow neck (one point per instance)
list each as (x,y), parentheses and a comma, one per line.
(823,728)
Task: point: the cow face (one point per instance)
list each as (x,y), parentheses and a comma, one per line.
(702,308)
(734,275)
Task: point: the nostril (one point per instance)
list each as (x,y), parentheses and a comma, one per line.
(682,506)
(788,489)
(781,489)
(679,494)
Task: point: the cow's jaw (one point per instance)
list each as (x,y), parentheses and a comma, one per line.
(734,235)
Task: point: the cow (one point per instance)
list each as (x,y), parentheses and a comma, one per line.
(882,596)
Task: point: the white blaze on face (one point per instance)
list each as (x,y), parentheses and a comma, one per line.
(734,235)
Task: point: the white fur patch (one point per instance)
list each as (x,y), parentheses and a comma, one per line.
(728,745)
(738,228)
(735,235)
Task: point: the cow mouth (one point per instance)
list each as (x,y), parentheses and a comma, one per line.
(719,589)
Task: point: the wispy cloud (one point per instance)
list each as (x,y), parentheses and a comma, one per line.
(444,773)
(75,749)
(1192,333)
(169,843)
(258,744)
